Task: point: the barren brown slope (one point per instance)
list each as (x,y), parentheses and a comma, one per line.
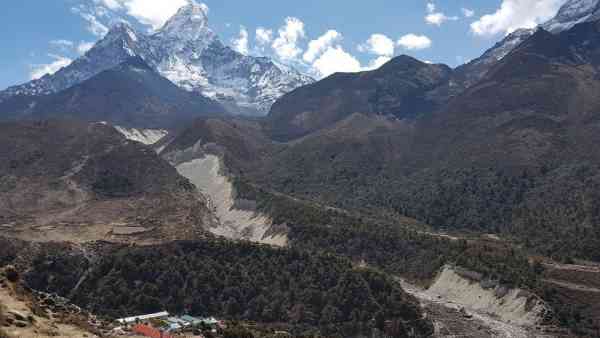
(404,88)
(78,181)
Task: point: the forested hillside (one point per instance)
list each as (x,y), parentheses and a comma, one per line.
(311,293)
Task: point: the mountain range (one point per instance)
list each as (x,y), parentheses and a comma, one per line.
(131,94)
(188,53)
(485,151)
(489,170)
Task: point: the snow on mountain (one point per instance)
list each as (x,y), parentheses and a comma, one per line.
(145,136)
(476,69)
(118,45)
(187,52)
(572,13)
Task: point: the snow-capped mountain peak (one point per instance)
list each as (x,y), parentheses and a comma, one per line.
(572,13)
(120,36)
(120,43)
(120,30)
(190,23)
(192,12)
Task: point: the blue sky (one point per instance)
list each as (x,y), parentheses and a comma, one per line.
(345,35)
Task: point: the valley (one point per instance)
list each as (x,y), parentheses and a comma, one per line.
(167,173)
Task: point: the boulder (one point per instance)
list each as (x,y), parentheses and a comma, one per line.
(17,315)
(20,323)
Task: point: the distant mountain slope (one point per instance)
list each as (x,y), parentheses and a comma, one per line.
(514,154)
(76,181)
(116,47)
(131,94)
(470,73)
(403,88)
(187,52)
(573,12)
(570,14)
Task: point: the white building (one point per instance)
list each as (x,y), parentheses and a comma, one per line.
(142,318)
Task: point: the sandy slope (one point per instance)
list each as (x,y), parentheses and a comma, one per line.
(490,316)
(145,136)
(234,223)
(509,305)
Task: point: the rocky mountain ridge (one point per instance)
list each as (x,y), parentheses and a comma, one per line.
(570,14)
(131,94)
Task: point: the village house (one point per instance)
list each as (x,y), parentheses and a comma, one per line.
(162,324)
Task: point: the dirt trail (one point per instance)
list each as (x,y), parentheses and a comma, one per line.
(439,235)
(573,267)
(572,286)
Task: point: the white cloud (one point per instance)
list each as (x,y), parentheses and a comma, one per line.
(414,42)
(378,44)
(94,25)
(154,12)
(321,44)
(468,13)
(240,44)
(68,46)
(439,18)
(515,14)
(62,43)
(148,12)
(377,62)
(286,44)
(263,36)
(336,59)
(84,46)
(326,56)
(112,4)
(430,7)
(37,71)
(435,17)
